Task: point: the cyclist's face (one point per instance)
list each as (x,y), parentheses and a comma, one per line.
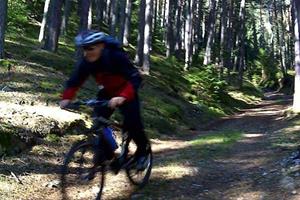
(93,52)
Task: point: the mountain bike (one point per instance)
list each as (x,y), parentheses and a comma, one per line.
(86,163)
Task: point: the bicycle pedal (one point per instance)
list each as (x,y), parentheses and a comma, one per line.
(115,166)
(88,177)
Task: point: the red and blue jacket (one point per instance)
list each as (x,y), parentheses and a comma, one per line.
(113,72)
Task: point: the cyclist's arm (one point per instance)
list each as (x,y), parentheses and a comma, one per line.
(126,68)
(78,77)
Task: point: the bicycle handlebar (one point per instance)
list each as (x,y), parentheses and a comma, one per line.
(91,103)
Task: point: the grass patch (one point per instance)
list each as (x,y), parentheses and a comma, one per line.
(289,137)
(216,144)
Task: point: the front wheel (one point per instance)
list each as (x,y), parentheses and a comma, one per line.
(140,177)
(83,172)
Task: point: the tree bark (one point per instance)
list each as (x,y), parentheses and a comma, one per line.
(279,40)
(83,10)
(140,40)
(127,22)
(3,16)
(211,33)
(178,47)
(66,15)
(170,42)
(44,21)
(223,36)
(99,9)
(188,35)
(122,19)
(113,17)
(147,36)
(241,38)
(296,102)
(53,26)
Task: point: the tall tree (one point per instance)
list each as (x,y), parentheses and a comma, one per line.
(178,33)
(3,13)
(43,24)
(211,32)
(53,25)
(296,103)
(170,42)
(240,41)
(99,9)
(223,34)
(122,19)
(188,34)
(128,12)
(66,15)
(84,10)
(113,17)
(140,40)
(147,36)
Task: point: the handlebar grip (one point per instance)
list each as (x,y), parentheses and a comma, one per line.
(73,105)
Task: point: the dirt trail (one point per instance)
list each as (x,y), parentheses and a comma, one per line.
(249,169)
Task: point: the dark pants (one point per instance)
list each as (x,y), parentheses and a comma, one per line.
(132,122)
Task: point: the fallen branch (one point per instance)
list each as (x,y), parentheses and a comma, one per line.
(15,177)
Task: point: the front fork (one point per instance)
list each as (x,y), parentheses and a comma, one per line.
(125,147)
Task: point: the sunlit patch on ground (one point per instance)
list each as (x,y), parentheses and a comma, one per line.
(253,135)
(17,112)
(174,171)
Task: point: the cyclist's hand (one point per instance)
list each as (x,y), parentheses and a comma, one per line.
(64,103)
(116,101)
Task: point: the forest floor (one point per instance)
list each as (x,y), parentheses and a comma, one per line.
(244,156)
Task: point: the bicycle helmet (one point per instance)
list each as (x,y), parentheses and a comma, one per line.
(90,37)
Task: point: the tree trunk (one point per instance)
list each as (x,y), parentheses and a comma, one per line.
(170,43)
(3,16)
(229,43)
(241,36)
(223,35)
(65,19)
(140,40)
(84,10)
(147,36)
(107,11)
(198,28)
(53,26)
(188,35)
(283,40)
(279,40)
(127,22)
(296,102)
(178,34)
(90,17)
(113,16)
(44,21)
(211,33)
(122,19)
(99,9)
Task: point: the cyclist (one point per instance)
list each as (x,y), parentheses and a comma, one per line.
(118,81)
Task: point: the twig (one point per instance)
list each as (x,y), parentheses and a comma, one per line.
(15,177)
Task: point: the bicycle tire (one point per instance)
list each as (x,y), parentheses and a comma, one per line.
(133,174)
(73,179)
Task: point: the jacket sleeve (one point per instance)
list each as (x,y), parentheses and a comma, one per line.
(130,73)
(78,77)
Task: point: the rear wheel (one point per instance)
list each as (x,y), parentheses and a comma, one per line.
(140,177)
(83,172)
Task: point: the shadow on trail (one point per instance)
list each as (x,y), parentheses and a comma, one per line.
(201,172)
(246,169)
